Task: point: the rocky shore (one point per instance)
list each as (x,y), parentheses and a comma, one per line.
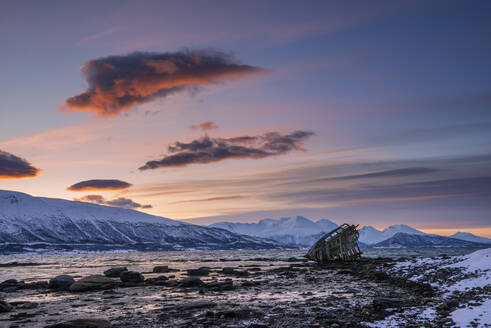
(254,293)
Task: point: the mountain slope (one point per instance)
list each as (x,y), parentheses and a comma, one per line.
(26,221)
(370,235)
(294,230)
(471,237)
(402,239)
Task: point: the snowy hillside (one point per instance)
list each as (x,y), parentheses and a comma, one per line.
(28,222)
(370,235)
(464,283)
(295,230)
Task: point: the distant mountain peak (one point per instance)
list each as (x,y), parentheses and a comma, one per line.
(296,229)
(471,237)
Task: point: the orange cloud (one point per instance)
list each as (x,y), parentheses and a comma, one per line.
(206,126)
(119,83)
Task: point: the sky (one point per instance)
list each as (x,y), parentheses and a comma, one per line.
(367,112)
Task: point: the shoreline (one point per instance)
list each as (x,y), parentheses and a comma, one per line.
(262,293)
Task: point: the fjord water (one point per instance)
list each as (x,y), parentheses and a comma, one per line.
(82,264)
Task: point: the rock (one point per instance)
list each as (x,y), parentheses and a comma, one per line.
(220,285)
(449,305)
(114,272)
(159,281)
(228,270)
(131,276)
(4,306)
(82,323)
(250,283)
(10,285)
(380,276)
(94,282)
(203,271)
(386,302)
(161,269)
(195,305)
(27,305)
(37,285)
(232,271)
(191,282)
(61,282)
(235,313)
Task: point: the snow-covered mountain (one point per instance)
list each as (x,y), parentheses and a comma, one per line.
(294,230)
(370,235)
(471,237)
(37,223)
(401,240)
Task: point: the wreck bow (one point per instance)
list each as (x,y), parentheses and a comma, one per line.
(339,244)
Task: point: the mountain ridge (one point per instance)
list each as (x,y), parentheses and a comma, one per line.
(27,220)
(401,240)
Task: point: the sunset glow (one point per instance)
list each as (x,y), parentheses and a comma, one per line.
(352,115)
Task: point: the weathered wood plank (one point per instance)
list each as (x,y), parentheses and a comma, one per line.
(338,244)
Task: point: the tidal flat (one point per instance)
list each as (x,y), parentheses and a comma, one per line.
(226,289)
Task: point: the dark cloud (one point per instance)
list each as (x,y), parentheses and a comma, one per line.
(13,167)
(126,203)
(209,150)
(118,202)
(381,174)
(99,184)
(206,126)
(119,83)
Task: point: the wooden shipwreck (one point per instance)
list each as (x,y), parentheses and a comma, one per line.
(339,244)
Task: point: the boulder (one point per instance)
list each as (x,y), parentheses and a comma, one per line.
(161,269)
(159,281)
(228,270)
(131,276)
(191,282)
(232,271)
(37,285)
(10,285)
(82,323)
(61,282)
(220,285)
(114,272)
(4,306)
(94,282)
(203,271)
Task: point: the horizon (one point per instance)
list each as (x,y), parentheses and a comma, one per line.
(377,113)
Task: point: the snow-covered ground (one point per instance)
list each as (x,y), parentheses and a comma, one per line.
(464,285)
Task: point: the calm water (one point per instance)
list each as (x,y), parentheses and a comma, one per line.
(95,263)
